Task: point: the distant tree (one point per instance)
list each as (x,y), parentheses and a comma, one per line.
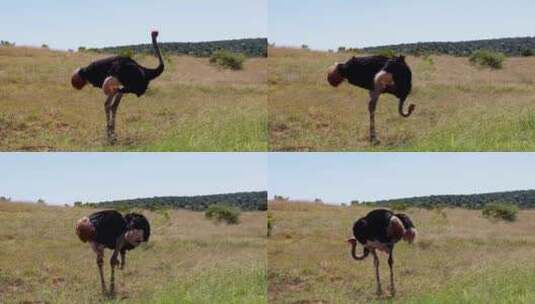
(126,52)
(44,46)
(343,205)
(318,201)
(305,47)
(82,49)
(77,204)
(341,49)
(41,201)
(354,202)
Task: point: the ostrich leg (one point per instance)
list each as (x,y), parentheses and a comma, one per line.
(113,262)
(377,277)
(107,108)
(391,265)
(99,250)
(114,108)
(123,259)
(374,97)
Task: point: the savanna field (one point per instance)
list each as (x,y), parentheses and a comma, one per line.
(459,106)
(192,106)
(188,259)
(458,257)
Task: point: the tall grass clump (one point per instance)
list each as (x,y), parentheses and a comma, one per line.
(228,60)
(485,58)
(500,211)
(223,213)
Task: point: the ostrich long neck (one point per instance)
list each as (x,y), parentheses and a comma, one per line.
(153,73)
(354,252)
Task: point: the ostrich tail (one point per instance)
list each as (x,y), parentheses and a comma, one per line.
(400,108)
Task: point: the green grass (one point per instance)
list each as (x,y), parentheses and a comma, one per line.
(501,286)
(188,259)
(458,257)
(459,106)
(192,106)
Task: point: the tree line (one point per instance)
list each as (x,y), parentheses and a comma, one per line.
(518,46)
(522,199)
(246,201)
(253,47)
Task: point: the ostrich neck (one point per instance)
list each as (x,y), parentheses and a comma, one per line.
(354,252)
(153,73)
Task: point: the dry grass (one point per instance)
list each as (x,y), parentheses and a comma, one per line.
(193,106)
(458,257)
(187,260)
(459,107)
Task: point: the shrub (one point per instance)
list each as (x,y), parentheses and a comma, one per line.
(228,60)
(126,52)
(386,52)
(500,211)
(489,59)
(222,212)
(527,52)
(399,206)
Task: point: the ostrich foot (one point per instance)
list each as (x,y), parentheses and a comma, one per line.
(112,138)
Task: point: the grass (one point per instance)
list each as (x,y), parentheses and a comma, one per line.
(187,260)
(459,106)
(458,257)
(193,106)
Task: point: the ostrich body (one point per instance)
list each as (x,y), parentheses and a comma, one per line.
(380,230)
(378,75)
(109,229)
(118,75)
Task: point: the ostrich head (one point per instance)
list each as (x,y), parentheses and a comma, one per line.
(85,229)
(137,229)
(333,75)
(77,81)
(409,233)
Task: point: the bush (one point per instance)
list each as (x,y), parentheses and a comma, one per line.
(500,211)
(386,52)
(527,52)
(489,59)
(222,212)
(399,206)
(227,59)
(126,52)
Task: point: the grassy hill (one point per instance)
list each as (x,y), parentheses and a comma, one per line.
(188,259)
(247,201)
(459,106)
(517,46)
(193,106)
(256,47)
(458,257)
(523,199)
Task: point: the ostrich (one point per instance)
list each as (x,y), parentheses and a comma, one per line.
(109,229)
(377,74)
(380,230)
(116,76)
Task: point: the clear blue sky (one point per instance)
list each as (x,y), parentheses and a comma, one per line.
(342,177)
(66,24)
(323,24)
(67,177)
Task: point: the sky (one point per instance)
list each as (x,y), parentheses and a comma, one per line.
(61,178)
(323,24)
(343,177)
(63,24)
